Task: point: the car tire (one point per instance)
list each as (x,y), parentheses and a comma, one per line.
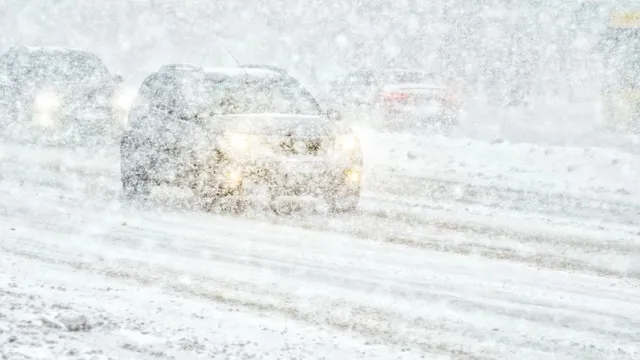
(343,200)
(135,184)
(212,198)
(7,120)
(17,124)
(234,203)
(447,124)
(133,175)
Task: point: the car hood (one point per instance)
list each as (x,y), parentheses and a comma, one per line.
(280,124)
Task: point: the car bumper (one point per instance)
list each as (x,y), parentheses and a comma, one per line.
(79,120)
(415,113)
(292,177)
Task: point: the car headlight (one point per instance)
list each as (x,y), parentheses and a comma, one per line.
(124,99)
(47,101)
(239,142)
(242,144)
(346,142)
(353,176)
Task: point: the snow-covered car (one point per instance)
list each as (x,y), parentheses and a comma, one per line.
(227,133)
(399,98)
(620,45)
(61,90)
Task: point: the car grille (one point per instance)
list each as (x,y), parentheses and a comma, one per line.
(297,146)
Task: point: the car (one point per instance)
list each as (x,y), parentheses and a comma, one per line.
(399,98)
(58,90)
(227,133)
(620,93)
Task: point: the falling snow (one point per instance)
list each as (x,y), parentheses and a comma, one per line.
(320,179)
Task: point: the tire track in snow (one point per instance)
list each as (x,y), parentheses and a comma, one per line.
(372,323)
(504,197)
(92,255)
(433,189)
(402,208)
(398,226)
(456,237)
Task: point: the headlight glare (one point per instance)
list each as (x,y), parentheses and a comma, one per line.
(124,99)
(47,101)
(347,142)
(239,142)
(353,176)
(233,176)
(243,144)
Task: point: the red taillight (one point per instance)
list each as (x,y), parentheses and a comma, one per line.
(396,96)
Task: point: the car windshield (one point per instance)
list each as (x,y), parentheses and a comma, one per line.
(240,97)
(622,58)
(54,66)
(403,77)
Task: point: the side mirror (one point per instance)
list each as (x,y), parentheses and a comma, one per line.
(334,115)
(118,79)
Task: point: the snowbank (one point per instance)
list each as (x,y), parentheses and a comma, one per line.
(580,171)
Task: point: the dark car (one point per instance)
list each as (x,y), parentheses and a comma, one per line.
(223,132)
(49,89)
(399,97)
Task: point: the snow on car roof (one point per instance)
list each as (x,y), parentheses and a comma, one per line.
(392,70)
(415,86)
(240,72)
(401,70)
(267,114)
(53,49)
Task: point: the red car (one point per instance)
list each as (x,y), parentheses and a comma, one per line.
(400,98)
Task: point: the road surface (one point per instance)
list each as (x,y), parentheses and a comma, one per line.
(427,268)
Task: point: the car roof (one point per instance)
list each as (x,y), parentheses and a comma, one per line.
(223,73)
(51,49)
(394,70)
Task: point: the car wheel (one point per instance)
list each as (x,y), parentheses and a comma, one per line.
(135,184)
(214,197)
(389,122)
(447,123)
(16,126)
(343,200)
(6,121)
(233,203)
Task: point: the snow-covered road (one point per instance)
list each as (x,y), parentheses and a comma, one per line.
(526,270)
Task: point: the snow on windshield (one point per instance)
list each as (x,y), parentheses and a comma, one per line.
(240,97)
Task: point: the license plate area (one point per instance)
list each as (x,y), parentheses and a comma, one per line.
(302,181)
(430,108)
(301,166)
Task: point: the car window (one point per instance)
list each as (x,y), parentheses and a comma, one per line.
(162,91)
(55,66)
(400,77)
(162,95)
(239,97)
(359,79)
